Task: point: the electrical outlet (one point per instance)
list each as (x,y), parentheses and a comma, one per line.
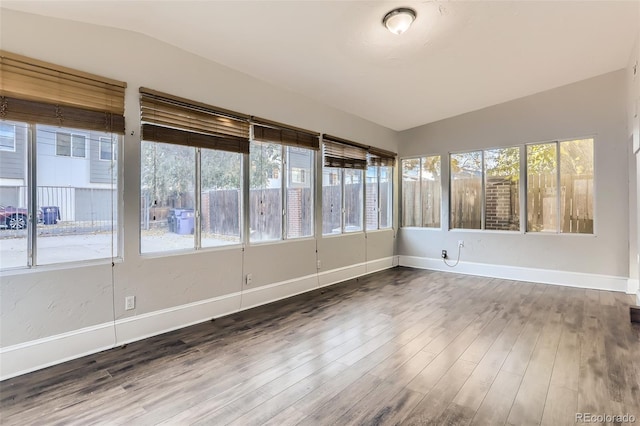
(129,303)
(249,279)
(460,243)
(318,264)
(444,254)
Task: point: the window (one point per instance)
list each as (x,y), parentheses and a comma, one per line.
(299,194)
(75,219)
(484,191)
(265,193)
(7,137)
(466,190)
(379,196)
(167,185)
(502,185)
(107,153)
(191,175)
(353,200)
(567,165)
(59,214)
(331,200)
(281,181)
(342,186)
(70,145)
(421,192)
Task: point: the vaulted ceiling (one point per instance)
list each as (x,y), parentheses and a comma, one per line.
(458,56)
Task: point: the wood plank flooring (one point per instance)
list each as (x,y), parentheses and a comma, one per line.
(402,346)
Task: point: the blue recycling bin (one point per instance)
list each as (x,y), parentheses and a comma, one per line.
(184,222)
(50,215)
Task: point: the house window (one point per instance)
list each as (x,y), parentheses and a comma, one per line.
(502,189)
(421,192)
(379,196)
(299,192)
(169,208)
(73,218)
(107,153)
(7,137)
(560,187)
(269,192)
(265,192)
(70,145)
(342,200)
(331,200)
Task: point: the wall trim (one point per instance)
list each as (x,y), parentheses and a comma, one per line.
(142,326)
(37,354)
(517,273)
(633,285)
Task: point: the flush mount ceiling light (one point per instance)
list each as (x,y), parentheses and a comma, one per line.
(399,20)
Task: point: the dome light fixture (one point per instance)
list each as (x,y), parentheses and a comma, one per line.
(399,20)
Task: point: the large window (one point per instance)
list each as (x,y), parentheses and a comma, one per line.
(191,174)
(169,205)
(58,200)
(567,166)
(270,189)
(281,182)
(421,192)
(74,212)
(353,200)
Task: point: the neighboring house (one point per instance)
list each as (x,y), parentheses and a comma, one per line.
(74,170)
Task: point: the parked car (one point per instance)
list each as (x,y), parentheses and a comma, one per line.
(15,217)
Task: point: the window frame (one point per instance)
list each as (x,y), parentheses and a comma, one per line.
(32,185)
(420,159)
(71,144)
(7,148)
(378,207)
(111,144)
(524,212)
(285,182)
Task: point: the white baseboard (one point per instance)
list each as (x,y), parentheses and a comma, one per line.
(545,276)
(157,322)
(273,292)
(633,286)
(41,353)
(638,298)
(338,275)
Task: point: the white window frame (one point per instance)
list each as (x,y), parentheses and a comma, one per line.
(111,143)
(7,148)
(71,143)
(421,159)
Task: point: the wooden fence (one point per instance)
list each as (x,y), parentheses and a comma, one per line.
(502,209)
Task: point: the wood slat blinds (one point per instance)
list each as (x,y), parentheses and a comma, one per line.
(343,153)
(37,91)
(380,157)
(270,131)
(170,119)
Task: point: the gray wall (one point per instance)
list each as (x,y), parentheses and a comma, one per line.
(40,303)
(594,107)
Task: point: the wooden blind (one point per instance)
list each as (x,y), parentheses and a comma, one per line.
(37,91)
(271,131)
(170,119)
(380,157)
(343,153)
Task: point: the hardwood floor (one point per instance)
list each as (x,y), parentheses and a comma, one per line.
(401,346)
